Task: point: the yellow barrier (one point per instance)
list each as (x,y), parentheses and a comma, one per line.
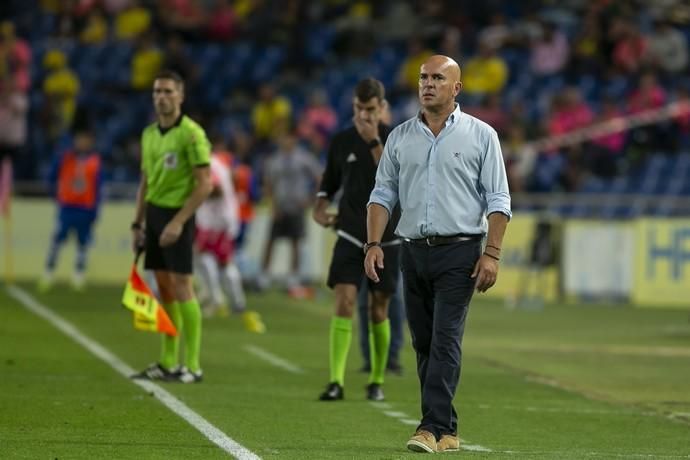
(662,265)
(110,257)
(514,278)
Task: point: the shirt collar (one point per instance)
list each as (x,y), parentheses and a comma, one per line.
(452,118)
(174,125)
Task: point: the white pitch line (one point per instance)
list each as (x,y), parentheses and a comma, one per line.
(273,359)
(212,433)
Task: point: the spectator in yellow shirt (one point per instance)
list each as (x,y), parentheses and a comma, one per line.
(408,74)
(60,88)
(132,22)
(485,73)
(146,63)
(271,115)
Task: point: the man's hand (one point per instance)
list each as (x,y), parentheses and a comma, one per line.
(485,272)
(138,239)
(325,219)
(367,129)
(372,261)
(171,233)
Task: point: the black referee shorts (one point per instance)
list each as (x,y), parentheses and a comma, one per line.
(347,267)
(176,258)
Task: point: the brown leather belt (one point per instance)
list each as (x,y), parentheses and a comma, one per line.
(440,240)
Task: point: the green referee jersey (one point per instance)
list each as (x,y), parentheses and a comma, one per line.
(168,158)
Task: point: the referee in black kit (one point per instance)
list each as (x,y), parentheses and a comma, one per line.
(352,161)
(446,169)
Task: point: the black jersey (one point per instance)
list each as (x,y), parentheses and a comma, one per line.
(350,165)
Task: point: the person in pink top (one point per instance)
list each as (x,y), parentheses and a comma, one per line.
(318,121)
(569,113)
(649,95)
(15,58)
(604,151)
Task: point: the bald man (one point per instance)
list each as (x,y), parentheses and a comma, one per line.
(446,170)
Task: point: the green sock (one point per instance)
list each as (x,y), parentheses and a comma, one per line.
(191,316)
(340,338)
(170,345)
(379,342)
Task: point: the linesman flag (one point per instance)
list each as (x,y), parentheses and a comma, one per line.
(148,313)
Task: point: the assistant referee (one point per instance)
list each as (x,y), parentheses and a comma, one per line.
(175,181)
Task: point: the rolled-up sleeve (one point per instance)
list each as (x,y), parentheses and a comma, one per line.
(385,192)
(494,180)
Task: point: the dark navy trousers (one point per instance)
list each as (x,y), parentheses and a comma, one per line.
(437,290)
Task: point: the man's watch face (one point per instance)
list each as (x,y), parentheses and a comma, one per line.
(374,143)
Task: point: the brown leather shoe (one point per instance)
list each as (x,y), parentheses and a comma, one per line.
(448,443)
(423,441)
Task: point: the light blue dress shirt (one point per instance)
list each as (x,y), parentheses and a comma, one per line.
(446,185)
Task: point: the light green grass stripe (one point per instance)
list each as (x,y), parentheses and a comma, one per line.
(175,405)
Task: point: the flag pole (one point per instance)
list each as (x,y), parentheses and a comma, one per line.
(6,212)
(9,260)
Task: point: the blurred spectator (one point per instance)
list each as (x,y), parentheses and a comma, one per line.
(133,21)
(451,43)
(147,61)
(586,53)
(569,112)
(485,73)
(290,178)
(115,6)
(14,106)
(177,59)
(550,52)
(519,159)
(497,33)
(648,95)
(398,23)
(60,90)
(223,23)
(95,28)
(668,48)
(408,74)
(317,121)
(630,50)
(185,17)
(15,58)
(605,151)
(271,114)
(491,112)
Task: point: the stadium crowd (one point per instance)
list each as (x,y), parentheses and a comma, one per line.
(260,70)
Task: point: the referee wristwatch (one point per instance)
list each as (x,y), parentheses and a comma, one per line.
(374,143)
(370,245)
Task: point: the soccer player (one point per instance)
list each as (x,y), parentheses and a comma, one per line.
(351,165)
(175,181)
(76,180)
(217,226)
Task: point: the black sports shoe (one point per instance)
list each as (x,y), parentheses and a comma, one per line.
(334,392)
(157,372)
(374,392)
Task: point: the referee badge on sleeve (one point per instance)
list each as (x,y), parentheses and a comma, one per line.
(170,160)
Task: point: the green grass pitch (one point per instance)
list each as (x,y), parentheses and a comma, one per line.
(568,382)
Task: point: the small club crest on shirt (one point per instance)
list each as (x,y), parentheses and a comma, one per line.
(351,157)
(457,154)
(170,160)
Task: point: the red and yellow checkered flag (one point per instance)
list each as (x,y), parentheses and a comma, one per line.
(149,314)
